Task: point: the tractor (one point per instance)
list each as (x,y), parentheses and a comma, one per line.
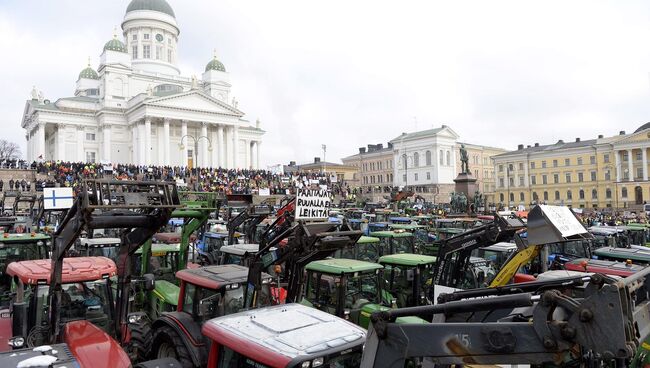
(18,247)
(407,277)
(365,249)
(391,242)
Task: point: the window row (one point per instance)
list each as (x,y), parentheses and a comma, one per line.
(444,157)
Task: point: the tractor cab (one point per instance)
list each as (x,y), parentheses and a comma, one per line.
(239,254)
(86,295)
(19,247)
(420,233)
(377,226)
(605,267)
(644,230)
(424,220)
(638,255)
(98,247)
(163,263)
(396,241)
(497,254)
(383,215)
(210,245)
(606,236)
(346,288)
(289,335)
(360,224)
(204,293)
(406,276)
(365,249)
(400,220)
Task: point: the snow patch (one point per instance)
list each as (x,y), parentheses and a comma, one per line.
(37,361)
(43,348)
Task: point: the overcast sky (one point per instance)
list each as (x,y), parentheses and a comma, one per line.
(349,73)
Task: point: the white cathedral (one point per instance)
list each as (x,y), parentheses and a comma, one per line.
(137,108)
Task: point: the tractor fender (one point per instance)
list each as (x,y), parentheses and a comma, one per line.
(189,331)
(93,347)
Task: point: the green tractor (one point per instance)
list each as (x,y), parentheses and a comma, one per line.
(365,249)
(19,247)
(393,241)
(407,277)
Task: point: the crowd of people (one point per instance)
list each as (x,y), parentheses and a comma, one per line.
(226,181)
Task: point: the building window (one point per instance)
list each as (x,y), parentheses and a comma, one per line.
(581,177)
(557,195)
(512,197)
(533,180)
(448,159)
(581,194)
(500,182)
(146,36)
(159,53)
(521,181)
(404,161)
(404,178)
(544,179)
(594,194)
(639,172)
(638,155)
(90,136)
(442,158)
(169,56)
(546,196)
(592,160)
(500,168)
(535,198)
(608,193)
(554,163)
(543,164)
(134,37)
(532,165)
(608,175)
(428,158)
(567,162)
(428,176)
(416,159)
(501,197)
(569,195)
(511,168)
(416,176)
(606,157)
(556,178)
(567,176)
(90,156)
(624,192)
(593,176)
(521,166)
(521,197)
(579,161)
(135,52)
(146,52)
(511,182)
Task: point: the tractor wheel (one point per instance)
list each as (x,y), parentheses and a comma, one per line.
(140,341)
(167,344)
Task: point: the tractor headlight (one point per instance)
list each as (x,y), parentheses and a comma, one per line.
(39,243)
(306,364)
(135,318)
(318,362)
(346,314)
(17,342)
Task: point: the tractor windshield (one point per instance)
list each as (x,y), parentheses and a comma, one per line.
(212,244)
(229,258)
(407,284)
(82,300)
(205,304)
(369,252)
(401,245)
(14,252)
(361,287)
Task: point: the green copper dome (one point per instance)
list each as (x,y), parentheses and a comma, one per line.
(154,5)
(115,45)
(215,64)
(89,73)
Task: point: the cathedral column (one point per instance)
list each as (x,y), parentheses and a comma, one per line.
(40,141)
(227,147)
(617,159)
(147,141)
(142,152)
(60,143)
(81,154)
(235,146)
(644,158)
(134,144)
(247,154)
(258,145)
(29,148)
(630,165)
(166,144)
(214,154)
(184,143)
(106,155)
(221,147)
(204,145)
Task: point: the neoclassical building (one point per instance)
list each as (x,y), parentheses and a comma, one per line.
(138,108)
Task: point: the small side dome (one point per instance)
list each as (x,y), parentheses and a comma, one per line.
(215,64)
(89,73)
(643,127)
(115,45)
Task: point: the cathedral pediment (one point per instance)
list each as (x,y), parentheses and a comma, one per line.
(196,101)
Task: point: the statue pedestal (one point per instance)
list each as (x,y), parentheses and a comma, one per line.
(466,184)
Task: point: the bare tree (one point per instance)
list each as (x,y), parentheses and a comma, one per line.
(9,150)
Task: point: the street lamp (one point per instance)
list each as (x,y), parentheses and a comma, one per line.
(181,146)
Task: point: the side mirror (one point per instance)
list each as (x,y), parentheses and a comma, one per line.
(208,305)
(149,281)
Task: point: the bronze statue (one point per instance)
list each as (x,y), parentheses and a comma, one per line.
(464,160)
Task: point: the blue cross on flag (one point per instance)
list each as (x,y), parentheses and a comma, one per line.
(57,198)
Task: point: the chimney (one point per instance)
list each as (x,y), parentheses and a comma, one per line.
(560,142)
(577,139)
(380,146)
(600,136)
(316,160)
(390,145)
(520,147)
(292,163)
(536,144)
(528,146)
(362,149)
(622,132)
(444,126)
